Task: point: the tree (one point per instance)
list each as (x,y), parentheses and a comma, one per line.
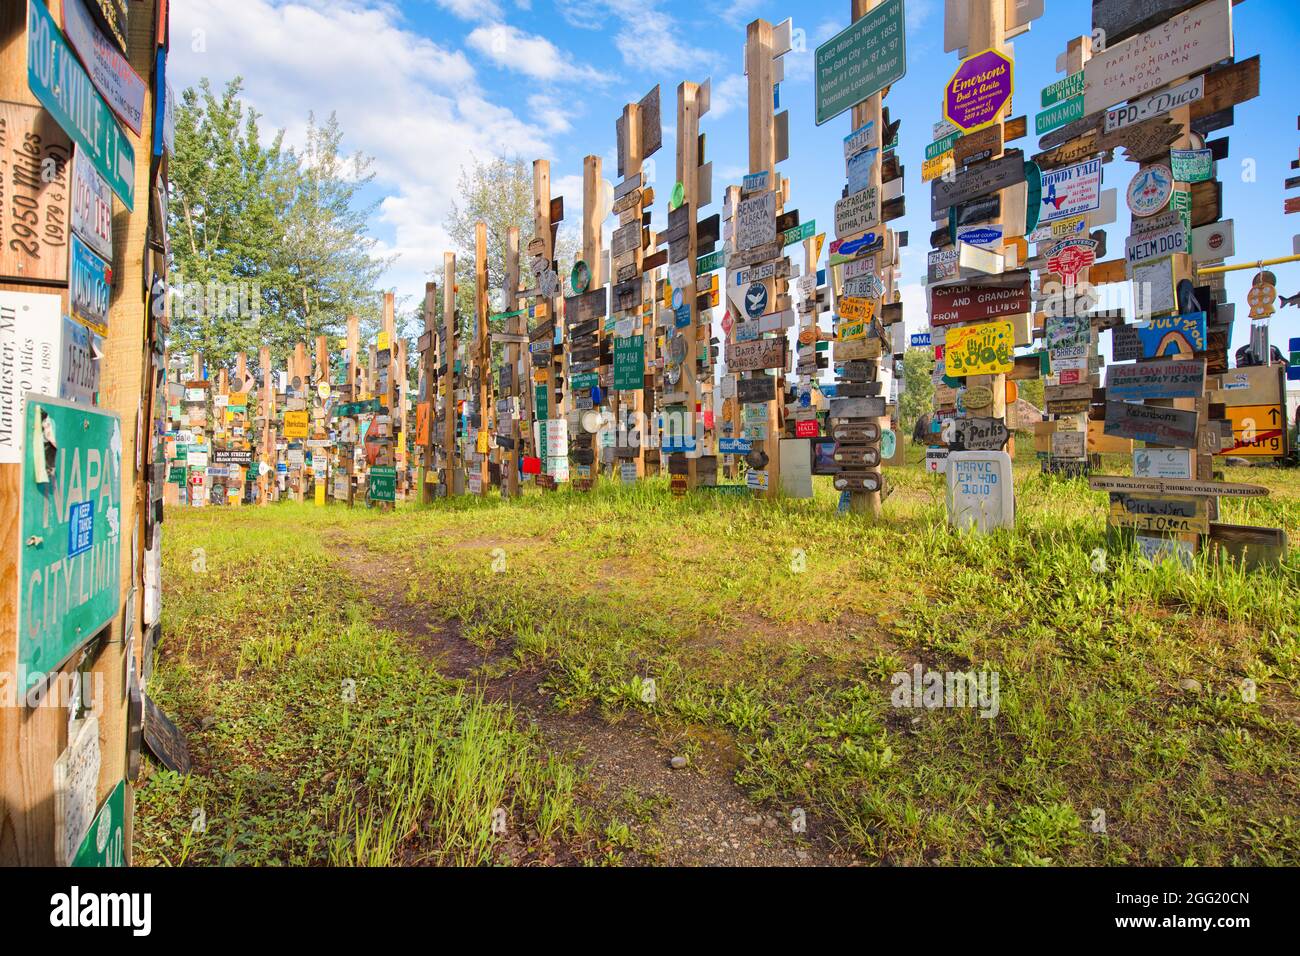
(917,395)
(270,246)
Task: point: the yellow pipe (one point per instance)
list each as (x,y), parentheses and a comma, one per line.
(1214,270)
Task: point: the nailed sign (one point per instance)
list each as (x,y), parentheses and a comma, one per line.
(1150,423)
(978,181)
(1162,336)
(1070,191)
(1159,378)
(861,60)
(1182,45)
(121,86)
(71,533)
(980,434)
(34,175)
(92,208)
(760,354)
(978,90)
(986,349)
(756,221)
(857,213)
(89,286)
(951,304)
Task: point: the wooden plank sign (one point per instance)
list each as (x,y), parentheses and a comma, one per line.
(755,221)
(870,407)
(857,213)
(856,432)
(1181,45)
(986,349)
(753,356)
(34,161)
(1159,378)
(866,481)
(977,181)
(1163,336)
(1172,515)
(857,456)
(1176,486)
(1149,423)
(980,434)
(951,304)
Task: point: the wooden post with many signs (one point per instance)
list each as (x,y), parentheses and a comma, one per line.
(348,430)
(425,411)
(761,59)
(449,378)
(267,479)
(517,326)
(482,362)
(541,251)
(585,333)
(320,426)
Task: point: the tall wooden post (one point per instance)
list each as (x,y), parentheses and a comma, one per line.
(449,380)
(267,479)
(429,386)
(591,255)
(348,451)
(545,307)
(320,427)
(401,412)
(517,325)
(762,159)
(688,168)
(483,354)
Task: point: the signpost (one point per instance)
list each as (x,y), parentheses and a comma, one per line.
(861,60)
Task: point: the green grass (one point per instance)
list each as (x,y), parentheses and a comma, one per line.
(771,631)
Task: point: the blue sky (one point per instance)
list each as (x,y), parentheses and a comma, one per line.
(424,85)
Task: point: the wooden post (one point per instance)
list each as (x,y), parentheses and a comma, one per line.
(402,409)
(266,480)
(320,429)
(591,255)
(429,386)
(688,169)
(449,380)
(517,325)
(483,354)
(762,158)
(545,307)
(347,451)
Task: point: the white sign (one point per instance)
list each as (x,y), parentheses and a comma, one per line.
(857,213)
(79,354)
(109,70)
(1215,241)
(1162,463)
(756,221)
(92,206)
(981,495)
(30,327)
(1155,245)
(76,778)
(1071,191)
(1182,45)
(861,138)
(1157,104)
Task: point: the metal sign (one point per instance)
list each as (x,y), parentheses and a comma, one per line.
(861,60)
(71,533)
(979,89)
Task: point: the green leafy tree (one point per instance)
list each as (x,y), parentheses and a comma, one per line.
(917,395)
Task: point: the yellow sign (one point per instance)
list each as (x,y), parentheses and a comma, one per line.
(856,309)
(849,331)
(295,424)
(482,441)
(320,493)
(818,241)
(1258,430)
(987,349)
(1147,513)
(382,343)
(934,168)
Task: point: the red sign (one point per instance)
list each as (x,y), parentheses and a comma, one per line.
(950,304)
(1069,257)
(806,429)
(532,466)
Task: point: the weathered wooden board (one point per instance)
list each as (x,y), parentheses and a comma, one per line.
(1153,513)
(1158,378)
(977,181)
(951,304)
(35,158)
(1149,423)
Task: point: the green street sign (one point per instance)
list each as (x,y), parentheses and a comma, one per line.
(501,316)
(382,485)
(799,233)
(60,82)
(711,263)
(353,409)
(1033,196)
(629,363)
(105,842)
(541,401)
(71,533)
(1063,90)
(176,474)
(861,60)
(941,146)
(1066,111)
(585,380)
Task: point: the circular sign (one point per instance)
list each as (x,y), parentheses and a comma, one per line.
(755,300)
(1262,295)
(678,197)
(580,277)
(888,443)
(678,299)
(1150,190)
(978,396)
(757,459)
(1069,257)
(236,384)
(323,390)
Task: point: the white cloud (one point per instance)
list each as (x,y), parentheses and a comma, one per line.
(647,37)
(412,104)
(512,49)
(728,94)
(551,112)
(473,10)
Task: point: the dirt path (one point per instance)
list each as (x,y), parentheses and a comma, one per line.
(695,816)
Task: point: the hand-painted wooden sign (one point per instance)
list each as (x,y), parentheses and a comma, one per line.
(861,60)
(755,221)
(865,481)
(1163,336)
(951,304)
(70,536)
(1150,423)
(1176,486)
(1158,378)
(980,434)
(752,356)
(978,90)
(979,180)
(1180,46)
(1165,235)
(978,146)
(986,349)
(36,159)
(1171,515)
(59,81)
(868,407)
(981,495)
(857,213)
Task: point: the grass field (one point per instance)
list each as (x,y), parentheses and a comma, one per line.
(500,652)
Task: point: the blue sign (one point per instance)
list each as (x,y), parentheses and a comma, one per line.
(682,317)
(81,528)
(920,340)
(830,389)
(734,446)
(859,170)
(755,300)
